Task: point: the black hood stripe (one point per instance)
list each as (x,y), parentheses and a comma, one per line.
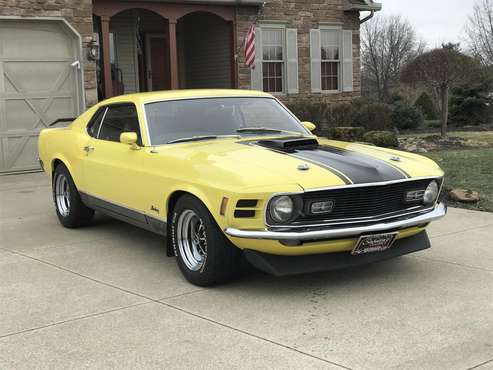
(334,171)
(368,156)
(350,166)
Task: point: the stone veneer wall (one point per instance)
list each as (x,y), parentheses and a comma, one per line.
(303,15)
(77,12)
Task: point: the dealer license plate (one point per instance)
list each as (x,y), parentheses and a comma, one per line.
(374,243)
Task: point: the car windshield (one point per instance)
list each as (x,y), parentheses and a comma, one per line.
(209,118)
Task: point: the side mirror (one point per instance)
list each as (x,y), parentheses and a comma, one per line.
(129,138)
(309,126)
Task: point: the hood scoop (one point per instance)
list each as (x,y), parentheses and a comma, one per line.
(289,144)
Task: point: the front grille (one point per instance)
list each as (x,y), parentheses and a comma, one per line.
(363,202)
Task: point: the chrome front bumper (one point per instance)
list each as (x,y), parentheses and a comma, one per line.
(339,233)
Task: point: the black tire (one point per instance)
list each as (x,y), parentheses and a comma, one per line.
(221,260)
(73,213)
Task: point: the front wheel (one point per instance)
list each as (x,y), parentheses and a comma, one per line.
(69,207)
(204,255)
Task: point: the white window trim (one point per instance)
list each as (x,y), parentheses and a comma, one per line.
(333,27)
(276,25)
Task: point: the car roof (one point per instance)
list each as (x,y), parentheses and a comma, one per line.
(184,94)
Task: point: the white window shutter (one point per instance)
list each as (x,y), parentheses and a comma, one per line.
(292,60)
(315,61)
(347,63)
(256,74)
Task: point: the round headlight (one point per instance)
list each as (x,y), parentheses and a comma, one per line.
(281,208)
(431,193)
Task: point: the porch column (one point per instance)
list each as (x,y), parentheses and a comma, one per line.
(105,43)
(173,55)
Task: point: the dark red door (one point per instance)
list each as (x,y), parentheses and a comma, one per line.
(157,63)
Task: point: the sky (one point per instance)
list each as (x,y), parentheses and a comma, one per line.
(435,21)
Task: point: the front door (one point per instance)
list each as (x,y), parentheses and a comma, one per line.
(113,170)
(157,63)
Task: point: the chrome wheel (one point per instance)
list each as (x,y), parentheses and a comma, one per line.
(62,195)
(191,240)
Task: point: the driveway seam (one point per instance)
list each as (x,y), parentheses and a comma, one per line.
(151,300)
(96,314)
(454,263)
(480,365)
(252,335)
(78,274)
(55,245)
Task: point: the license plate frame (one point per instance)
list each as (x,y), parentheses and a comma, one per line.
(374,243)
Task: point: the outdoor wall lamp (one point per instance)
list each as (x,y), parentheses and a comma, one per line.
(93,49)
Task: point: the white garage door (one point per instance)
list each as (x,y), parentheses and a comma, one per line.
(40,81)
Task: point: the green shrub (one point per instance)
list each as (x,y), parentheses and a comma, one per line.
(340,115)
(386,139)
(346,133)
(324,115)
(471,105)
(425,104)
(374,117)
(406,117)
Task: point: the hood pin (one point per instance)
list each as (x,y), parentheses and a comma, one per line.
(395,159)
(303,167)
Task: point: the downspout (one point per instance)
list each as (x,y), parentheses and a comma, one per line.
(367,18)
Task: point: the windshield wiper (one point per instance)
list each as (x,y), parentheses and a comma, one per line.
(193,138)
(266,129)
(200,138)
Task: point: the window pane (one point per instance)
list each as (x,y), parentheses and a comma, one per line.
(119,119)
(330,76)
(272,44)
(93,126)
(273,73)
(330,44)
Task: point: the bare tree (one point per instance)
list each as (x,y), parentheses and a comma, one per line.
(387,44)
(479,31)
(441,69)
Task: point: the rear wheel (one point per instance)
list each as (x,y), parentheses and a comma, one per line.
(69,207)
(204,255)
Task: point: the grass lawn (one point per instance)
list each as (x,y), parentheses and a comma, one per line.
(469,169)
(481,136)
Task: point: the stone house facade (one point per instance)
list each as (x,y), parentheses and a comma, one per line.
(58,57)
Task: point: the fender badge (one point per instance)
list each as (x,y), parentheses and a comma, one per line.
(395,159)
(303,167)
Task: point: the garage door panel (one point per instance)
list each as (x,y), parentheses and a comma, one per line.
(38,76)
(60,107)
(21,41)
(25,146)
(37,86)
(19,116)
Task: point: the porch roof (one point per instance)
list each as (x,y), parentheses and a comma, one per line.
(216,2)
(362,5)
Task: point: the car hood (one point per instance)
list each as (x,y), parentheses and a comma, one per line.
(255,164)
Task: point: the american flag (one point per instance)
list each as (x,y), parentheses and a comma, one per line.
(250,47)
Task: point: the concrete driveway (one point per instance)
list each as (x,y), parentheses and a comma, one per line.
(107,297)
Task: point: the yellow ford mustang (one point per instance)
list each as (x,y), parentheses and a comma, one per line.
(232,173)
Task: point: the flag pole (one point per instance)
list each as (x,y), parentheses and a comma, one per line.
(257,16)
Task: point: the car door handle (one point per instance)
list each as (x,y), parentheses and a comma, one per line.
(88,149)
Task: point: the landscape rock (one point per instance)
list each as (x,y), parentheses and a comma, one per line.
(464,196)
(425,144)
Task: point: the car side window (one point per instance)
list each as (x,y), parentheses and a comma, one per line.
(118,119)
(95,122)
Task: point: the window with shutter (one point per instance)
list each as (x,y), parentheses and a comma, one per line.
(276,67)
(331,57)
